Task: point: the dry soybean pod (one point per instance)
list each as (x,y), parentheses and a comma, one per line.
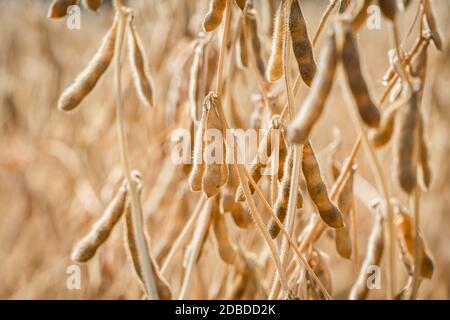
(317,190)
(198,167)
(432,25)
(86,248)
(343,242)
(275,64)
(424,160)
(194,77)
(215,14)
(226,250)
(382,135)
(300,128)
(388,8)
(58,8)
(240,215)
(350,59)
(86,80)
(252,28)
(319,265)
(282,202)
(216,172)
(301,44)
(374,254)
(241,4)
(139,66)
(93,4)
(162,286)
(406,144)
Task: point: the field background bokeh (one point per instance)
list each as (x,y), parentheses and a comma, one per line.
(58,171)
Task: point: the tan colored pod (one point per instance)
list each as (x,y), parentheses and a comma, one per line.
(275,64)
(299,130)
(86,248)
(252,27)
(58,8)
(215,14)
(162,285)
(388,8)
(317,190)
(86,80)
(374,253)
(241,4)
(282,201)
(405,163)
(350,59)
(424,160)
(240,215)
(93,4)
(343,241)
(382,135)
(301,44)
(139,66)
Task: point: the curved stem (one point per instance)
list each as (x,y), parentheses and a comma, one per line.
(141,244)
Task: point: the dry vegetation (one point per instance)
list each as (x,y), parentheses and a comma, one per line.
(87,178)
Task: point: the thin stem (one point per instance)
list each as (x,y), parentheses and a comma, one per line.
(417,244)
(141,244)
(289,238)
(199,235)
(223,48)
(379,177)
(183,237)
(323,20)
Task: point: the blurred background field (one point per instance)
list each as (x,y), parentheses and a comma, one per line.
(58,171)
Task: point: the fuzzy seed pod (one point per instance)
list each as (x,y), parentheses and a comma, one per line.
(139,66)
(93,4)
(350,59)
(301,44)
(432,25)
(343,241)
(329,213)
(162,286)
(214,16)
(282,201)
(388,8)
(425,166)
(198,166)
(216,172)
(275,64)
(299,131)
(382,135)
(226,250)
(86,248)
(255,172)
(241,4)
(405,164)
(252,28)
(86,81)
(406,241)
(319,266)
(282,154)
(240,215)
(226,201)
(374,254)
(58,8)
